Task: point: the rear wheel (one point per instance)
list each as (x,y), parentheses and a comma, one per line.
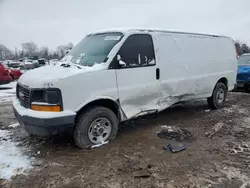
(95,126)
(246,89)
(218,97)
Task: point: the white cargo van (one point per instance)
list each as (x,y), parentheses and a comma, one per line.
(115,75)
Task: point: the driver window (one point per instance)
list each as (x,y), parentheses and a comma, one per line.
(137,51)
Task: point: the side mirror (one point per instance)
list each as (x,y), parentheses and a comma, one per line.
(67,52)
(121,63)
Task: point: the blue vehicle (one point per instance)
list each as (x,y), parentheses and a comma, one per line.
(243,74)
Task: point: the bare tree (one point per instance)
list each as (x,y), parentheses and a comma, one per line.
(30,48)
(44,52)
(241,48)
(16,53)
(5,53)
(62,49)
(70,45)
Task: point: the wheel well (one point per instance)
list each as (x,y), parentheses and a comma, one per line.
(224,81)
(112,105)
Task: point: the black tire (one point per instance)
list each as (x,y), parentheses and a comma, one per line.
(213,101)
(246,88)
(85,120)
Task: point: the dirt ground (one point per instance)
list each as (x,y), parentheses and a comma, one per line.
(136,158)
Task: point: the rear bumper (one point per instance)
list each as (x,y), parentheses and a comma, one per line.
(5,80)
(43,123)
(240,84)
(2,82)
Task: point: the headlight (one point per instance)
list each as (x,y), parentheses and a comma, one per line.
(46,100)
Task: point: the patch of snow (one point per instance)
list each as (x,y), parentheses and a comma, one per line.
(10,85)
(12,161)
(237,109)
(234,173)
(53,73)
(7,92)
(152,62)
(245,122)
(7,99)
(14,125)
(67,58)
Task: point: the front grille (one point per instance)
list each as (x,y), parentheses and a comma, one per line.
(23,94)
(241,77)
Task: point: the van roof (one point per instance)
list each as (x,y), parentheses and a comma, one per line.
(128,30)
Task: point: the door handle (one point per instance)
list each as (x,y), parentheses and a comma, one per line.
(157,74)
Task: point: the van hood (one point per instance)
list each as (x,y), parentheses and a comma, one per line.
(47,75)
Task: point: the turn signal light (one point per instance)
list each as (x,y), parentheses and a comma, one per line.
(45,108)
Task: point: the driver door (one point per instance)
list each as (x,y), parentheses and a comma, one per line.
(138,76)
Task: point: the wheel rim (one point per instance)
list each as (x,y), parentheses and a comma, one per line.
(99,130)
(220,95)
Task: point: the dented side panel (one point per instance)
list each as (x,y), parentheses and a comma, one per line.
(139,91)
(173,70)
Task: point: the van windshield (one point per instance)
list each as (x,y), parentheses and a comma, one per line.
(244,60)
(93,49)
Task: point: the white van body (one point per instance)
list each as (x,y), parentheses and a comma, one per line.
(185,66)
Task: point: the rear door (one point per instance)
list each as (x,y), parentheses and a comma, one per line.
(138,79)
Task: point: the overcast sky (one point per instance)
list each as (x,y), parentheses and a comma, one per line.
(54,22)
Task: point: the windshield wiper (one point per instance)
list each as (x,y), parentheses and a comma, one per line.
(69,64)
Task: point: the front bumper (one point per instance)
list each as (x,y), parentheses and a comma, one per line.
(43,123)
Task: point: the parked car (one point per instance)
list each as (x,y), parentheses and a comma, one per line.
(117,75)
(243,74)
(14,73)
(27,63)
(42,61)
(35,63)
(22,69)
(4,75)
(11,63)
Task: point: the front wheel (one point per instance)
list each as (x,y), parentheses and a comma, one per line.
(95,126)
(218,97)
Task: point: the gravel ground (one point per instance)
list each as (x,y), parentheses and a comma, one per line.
(136,158)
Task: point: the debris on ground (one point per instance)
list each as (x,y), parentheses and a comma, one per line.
(208,110)
(141,174)
(180,136)
(14,125)
(176,147)
(99,145)
(214,130)
(171,132)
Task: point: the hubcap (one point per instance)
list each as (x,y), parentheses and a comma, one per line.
(99,130)
(220,95)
